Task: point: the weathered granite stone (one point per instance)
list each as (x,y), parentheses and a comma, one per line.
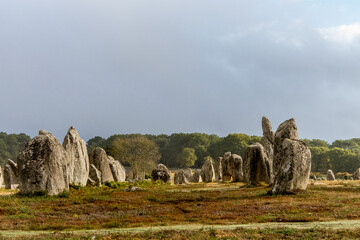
(11,176)
(227,167)
(43,166)
(237,171)
(196,178)
(292,160)
(218,169)
(330,176)
(101,161)
(256,165)
(268,133)
(267,141)
(94,176)
(1,177)
(180,177)
(207,171)
(356,174)
(188,174)
(286,130)
(78,157)
(117,169)
(136,175)
(161,172)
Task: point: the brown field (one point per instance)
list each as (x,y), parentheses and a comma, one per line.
(167,205)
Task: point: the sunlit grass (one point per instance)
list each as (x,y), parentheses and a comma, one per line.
(121,205)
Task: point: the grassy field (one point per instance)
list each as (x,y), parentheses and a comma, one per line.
(116,206)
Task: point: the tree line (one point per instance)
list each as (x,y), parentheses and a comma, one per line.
(11,145)
(181,150)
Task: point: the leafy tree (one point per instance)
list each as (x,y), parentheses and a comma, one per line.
(342,160)
(316,143)
(141,153)
(320,159)
(351,144)
(187,157)
(11,145)
(235,143)
(95,142)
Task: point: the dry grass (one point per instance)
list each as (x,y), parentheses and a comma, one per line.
(202,234)
(230,203)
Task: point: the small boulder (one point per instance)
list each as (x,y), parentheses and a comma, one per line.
(330,176)
(161,172)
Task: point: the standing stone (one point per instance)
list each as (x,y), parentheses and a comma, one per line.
(136,175)
(43,166)
(117,169)
(227,167)
(330,176)
(161,172)
(1,177)
(188,174)
(101,161)
(94,176)
(256,165)
(267,141)
(207,171)
(218,169)
(356,175)
(292,160)
(78,157)
(196,178)
(11,176)
(237,171)
(286,130)
(180,177)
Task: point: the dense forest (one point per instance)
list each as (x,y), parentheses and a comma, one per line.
(191,149)
(11,145)
(176,149)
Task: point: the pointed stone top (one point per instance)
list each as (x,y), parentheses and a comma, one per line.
(43,132)
(72,130)
(266,126)
(227,155)
(287,129)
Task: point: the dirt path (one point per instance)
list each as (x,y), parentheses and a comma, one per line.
(342,224)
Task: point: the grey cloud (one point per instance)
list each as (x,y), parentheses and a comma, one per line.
(174,66)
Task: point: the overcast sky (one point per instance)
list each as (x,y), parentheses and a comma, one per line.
(134,66)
